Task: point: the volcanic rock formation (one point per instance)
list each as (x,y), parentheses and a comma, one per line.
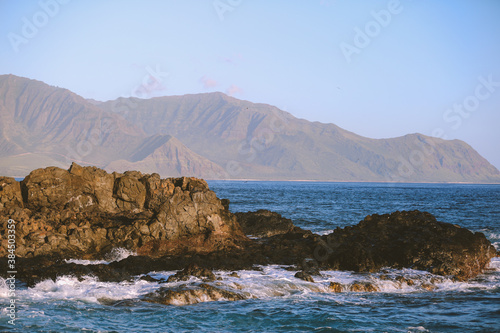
(84,212)
(179,223)
(407,240)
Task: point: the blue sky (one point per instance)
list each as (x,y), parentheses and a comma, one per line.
(377,68)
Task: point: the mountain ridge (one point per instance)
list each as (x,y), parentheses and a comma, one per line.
(216,136)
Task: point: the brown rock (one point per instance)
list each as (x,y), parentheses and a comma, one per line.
(131,192)
(304,276)
(264,223)
(355,287)
(10,193)
(363,287)
(336,287)
(401,279)
(92,211)
(192,270)
(408,240)
(428,286)
(185,295)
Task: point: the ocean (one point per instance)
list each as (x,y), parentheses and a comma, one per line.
(280,302)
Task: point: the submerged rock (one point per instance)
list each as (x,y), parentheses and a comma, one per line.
(192,270)
(185,295)
(354,287)
(336,287)
(180,224)
(363,287)
(368,286)
(304,276)
(407,240)
(117,303)
(404,280)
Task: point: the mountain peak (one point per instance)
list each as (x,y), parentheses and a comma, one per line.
(212,135)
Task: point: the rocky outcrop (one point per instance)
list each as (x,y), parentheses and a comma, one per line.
(84,212)
(354,287)
(192,271)
(179,224)
(304,276)
(264,223)
(10,193)
(407,240)
(192,294)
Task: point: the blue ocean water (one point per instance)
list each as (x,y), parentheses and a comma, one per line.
(283,303)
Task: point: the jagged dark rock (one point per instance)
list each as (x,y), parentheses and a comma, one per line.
(304,276)
(410,239)
(192,294)
(264,223)
(354,287)
(179,224)
(192,270)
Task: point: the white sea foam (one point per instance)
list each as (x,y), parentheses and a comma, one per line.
(276,281)
(272,281)
(88,289)
(325,232)
(493,237)
(86,262)
(417,329)
(494,264)
(490,234)
(116,254)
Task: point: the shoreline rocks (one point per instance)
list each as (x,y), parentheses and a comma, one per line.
(180,224)
(189,294)
(264,223)
(407,239)
(192,271)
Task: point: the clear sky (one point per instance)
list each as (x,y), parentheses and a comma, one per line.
(377,68)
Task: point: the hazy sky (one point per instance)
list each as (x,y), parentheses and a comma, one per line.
(377,68)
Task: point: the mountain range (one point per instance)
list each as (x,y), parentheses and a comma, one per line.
(212,136)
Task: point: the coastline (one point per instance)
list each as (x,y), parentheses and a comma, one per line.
(337,299)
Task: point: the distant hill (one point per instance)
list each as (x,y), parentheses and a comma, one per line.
(166,155)
(213,136)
